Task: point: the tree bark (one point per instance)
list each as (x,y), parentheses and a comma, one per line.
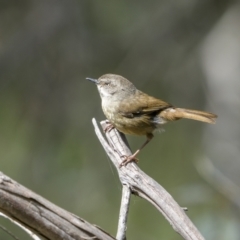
(42,217)
(144,186)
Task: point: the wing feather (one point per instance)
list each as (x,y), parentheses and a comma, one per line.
(142,104)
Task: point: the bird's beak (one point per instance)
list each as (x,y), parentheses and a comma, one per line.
(93,80)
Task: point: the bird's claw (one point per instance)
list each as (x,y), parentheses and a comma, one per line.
(128,159)
(108,128)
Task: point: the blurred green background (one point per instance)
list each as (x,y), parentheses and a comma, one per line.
(186,52)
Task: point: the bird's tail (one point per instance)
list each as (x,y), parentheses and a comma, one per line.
(171,114)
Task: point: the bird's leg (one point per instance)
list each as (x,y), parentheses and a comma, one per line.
(133,157)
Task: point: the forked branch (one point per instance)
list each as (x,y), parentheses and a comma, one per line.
(142,185)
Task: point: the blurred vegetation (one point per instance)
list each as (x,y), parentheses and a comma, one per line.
(47,142)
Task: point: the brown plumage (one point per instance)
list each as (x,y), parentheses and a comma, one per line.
(134,112)
(177,113)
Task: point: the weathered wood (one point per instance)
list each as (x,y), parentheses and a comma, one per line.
(43,217)
(142,185)
(123,215)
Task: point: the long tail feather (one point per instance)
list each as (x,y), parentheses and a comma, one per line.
(172,114)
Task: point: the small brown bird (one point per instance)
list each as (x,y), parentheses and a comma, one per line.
(134,112)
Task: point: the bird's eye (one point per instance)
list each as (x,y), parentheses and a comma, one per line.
(107,83)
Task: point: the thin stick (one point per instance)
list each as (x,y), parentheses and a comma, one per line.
(9,233)
(28,231)
(122,222)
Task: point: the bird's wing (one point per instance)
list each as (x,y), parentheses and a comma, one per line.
(142,104)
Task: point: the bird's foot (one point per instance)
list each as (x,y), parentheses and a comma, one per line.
(128,159)
(109,127)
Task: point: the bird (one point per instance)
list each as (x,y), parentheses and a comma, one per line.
(134,112)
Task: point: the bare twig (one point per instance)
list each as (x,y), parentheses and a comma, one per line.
(42,217)
(8,232)
(122,222)
(144,186)
(28,231)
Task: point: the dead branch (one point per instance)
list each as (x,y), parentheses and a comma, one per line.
(42,217)
(142,185)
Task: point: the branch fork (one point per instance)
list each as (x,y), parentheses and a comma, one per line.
(135,181)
